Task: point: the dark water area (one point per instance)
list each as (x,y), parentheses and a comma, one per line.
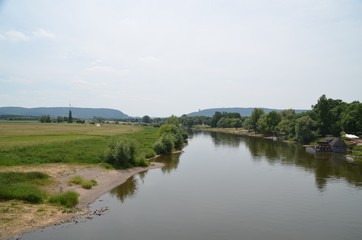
(230,187)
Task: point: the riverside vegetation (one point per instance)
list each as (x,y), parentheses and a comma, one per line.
(328,117)
(111,145)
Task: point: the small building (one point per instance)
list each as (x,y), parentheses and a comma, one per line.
(332,144)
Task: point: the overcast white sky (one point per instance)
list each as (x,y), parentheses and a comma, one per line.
(163,57)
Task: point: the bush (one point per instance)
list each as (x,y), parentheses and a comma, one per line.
(150,154)
(178,141)
(165,144)
(75,180)
(89,184)
(121,153)
(86,184)
(142,163)
(68,199)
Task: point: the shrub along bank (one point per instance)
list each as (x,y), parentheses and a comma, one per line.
(128,149)
(172,137)
(28,187)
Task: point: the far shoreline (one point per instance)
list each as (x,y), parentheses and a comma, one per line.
(240,132)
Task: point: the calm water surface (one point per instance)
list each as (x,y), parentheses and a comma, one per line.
(230,187)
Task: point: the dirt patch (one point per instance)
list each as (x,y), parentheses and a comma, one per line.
(32,216)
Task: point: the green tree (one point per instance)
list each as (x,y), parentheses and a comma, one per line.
(305,129)
(165,144)
(351,118)
(122,152)
(327,112)
(216,118)
(272,120)
(170,131)
(261,125)
(45,119)
(70,117)
(286,126)
(323,114)
(146,119)
(173,120)
(59,119)
(254,118)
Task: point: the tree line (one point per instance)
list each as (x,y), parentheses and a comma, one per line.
(327,117)
(123,153)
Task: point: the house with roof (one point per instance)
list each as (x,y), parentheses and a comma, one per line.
(332,144)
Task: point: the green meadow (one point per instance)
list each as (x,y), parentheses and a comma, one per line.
(33,143)
(23,143)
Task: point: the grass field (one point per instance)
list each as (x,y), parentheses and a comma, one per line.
(27,146)
(37,143)
(23,186)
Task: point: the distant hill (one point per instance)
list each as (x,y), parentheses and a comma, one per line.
(243,111)
(83,113)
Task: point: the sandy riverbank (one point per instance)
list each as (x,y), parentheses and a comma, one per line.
(33,216)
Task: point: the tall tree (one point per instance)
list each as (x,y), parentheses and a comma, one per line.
(70,117)
(304,129)
(327,112)
(286,126)
(254,118)
(146,119)
(216,118)
(351,118)
(272,120)
(323,114)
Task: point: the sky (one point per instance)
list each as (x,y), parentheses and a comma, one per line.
(163,57)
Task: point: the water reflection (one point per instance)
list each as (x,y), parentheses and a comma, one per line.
(127,189)
(171,162)
(326,167)
(223,139)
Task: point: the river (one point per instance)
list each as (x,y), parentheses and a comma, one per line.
(230,187)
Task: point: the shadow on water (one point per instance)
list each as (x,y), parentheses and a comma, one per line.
(171,162)
(128,189)
(222,139)
(326,167)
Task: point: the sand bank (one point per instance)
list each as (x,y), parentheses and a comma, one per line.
(33,216)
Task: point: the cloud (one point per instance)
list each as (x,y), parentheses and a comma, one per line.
(16,80)
(128,22)
(102,69)
(99,69)
(23,37)
(16,36)
(41,33)
(149,59)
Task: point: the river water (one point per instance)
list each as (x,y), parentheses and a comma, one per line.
(230,187)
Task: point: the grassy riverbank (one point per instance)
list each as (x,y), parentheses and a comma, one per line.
(56,153)
(35,143)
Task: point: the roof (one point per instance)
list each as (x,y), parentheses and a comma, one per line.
(332,141)
(337,142)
